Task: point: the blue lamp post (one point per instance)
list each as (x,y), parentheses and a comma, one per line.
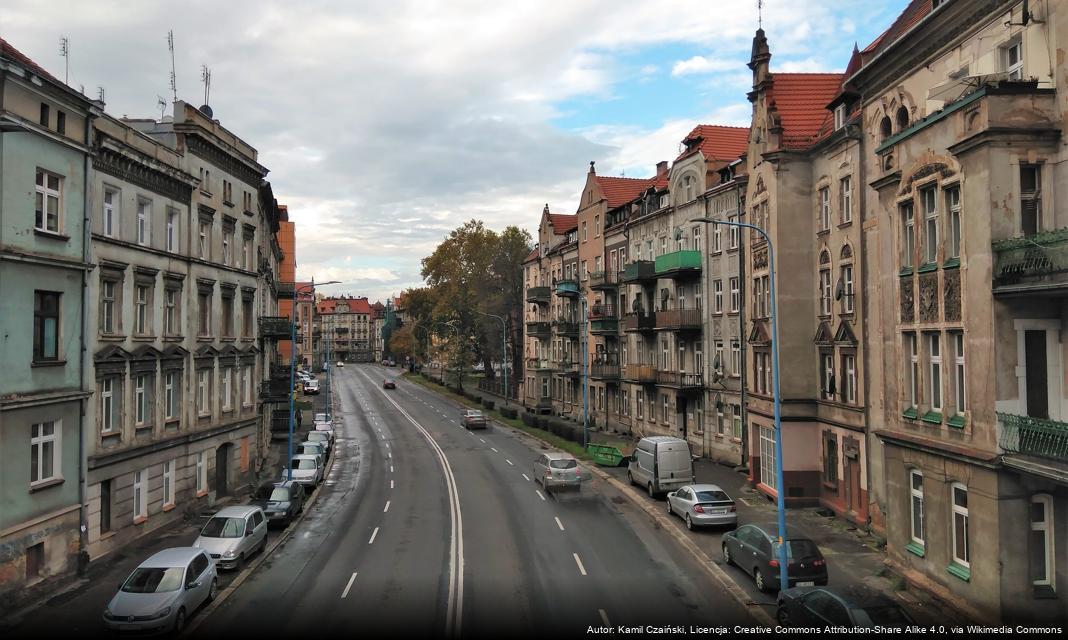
(293,368)
(780,501)
(584,344)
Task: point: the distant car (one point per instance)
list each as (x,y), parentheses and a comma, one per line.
(305,375)
(392,362)
(474,419)
(753,549)
(321,417)
(557,471)
(311,387)
(311,447)
(325,437)
(233,534)
(702,504)
(340,364)
(280,501)
(385,362)
(325,427)
(307,470)
(163,591)
(822,606)
(389,383)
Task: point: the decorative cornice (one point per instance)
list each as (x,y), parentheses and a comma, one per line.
(225,161)
(125,168)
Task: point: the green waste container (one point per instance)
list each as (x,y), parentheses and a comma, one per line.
(604,455)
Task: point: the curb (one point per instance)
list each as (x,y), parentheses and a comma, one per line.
(756,609)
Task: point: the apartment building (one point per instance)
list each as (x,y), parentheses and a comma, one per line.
(378,321)
(347,325)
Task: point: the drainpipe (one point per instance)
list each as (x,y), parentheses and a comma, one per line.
(743,379)
(83,508)
(863,328)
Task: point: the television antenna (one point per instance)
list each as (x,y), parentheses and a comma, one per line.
(205,77)
(162,104)
(170,46)
(100,93)
(64,50)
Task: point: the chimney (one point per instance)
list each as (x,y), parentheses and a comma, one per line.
(592,170)
(661,168)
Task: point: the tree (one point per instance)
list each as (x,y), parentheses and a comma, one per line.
(401,343)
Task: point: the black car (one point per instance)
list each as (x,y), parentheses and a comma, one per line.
(389,383)
(280,501)
(801,606)
(753,549)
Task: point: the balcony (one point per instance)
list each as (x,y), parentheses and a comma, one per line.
(567,288)
(538,329)
(679,379)
(634,322)
(1031,264)
(605,366)
(569,368)
(275,327)
(641,373)
(539,295)
(540,364)
(566,327)
(680,264)
(679,320)
(604,280)
(1033,437)
(274,390)
(639,271)
(603,319)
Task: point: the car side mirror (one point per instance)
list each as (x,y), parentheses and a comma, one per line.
(249,531)
(671,495)
(193,585)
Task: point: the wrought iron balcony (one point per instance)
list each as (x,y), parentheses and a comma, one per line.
(538,329)
(274,390)
(603,312)
(566,327)
(642,373)
(540,364)
(1033,436)
(679,379)
(679,320)
(569,368)
(604,280)
(685,263)
(605,366)
(539,295)
(275,327)
(639,271)
(639,321)
(1038,262)
(567,288)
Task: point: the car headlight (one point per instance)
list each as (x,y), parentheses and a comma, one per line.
(162,613)
(107,613)
(228,554)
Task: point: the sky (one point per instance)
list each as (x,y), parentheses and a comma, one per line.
(387,124)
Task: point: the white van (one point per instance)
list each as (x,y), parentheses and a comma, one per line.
(661,464)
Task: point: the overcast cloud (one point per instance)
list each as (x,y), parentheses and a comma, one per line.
(387,124)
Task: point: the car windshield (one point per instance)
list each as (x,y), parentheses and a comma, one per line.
(474,414)
(264,492)
(280,494)
(304,464)
(311,448)
(154,580)
(563,464)
(884,615)
(799,549)
(318,436)
(712,496)
(320,417)
(224,528)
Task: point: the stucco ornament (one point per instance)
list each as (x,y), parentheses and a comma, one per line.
(951,294)
(907,300)
(760,258)
(929,297)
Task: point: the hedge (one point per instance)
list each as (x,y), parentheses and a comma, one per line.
(528,418)
(509,413)
(486,402)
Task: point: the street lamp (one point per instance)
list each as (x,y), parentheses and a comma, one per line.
(780,500)
(293,367)
(504,349)
(584,344)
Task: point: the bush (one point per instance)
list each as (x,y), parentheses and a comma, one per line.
(509,413)
(476,398)
(527,418)
(542,422)
(553,426)
(486,402)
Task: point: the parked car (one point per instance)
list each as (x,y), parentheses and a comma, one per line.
(325,427)
(474,419)
(163,591)
(557,471)
(821,606)
(703,504)
(392,362)
(233,534)
(389,383)
(305,375)
(340,364)
(321,417)
(661,464)
(280,501)
(307,470)
(311,387)
(754,549)
(326,438)
(312,447)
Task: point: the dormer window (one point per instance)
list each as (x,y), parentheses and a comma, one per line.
(839,116)
(663,200)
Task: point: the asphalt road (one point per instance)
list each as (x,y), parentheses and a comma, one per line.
(425,528)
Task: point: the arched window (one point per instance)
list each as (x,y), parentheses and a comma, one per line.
(885,128)
(1040,546)
(902,118)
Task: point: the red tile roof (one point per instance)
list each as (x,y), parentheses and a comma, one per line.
(563,222)
(801,101)
(620,191)
(533,256)
(356,305)
(11,53)
(913,13)
(716,142)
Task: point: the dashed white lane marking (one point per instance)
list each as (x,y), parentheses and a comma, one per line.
(494,450)
(578,561)
(386,510)
(539,494)
(307,533)
(345,593)
(558,523)
(375,533)
(508,461)
(390,484)
(391,468)
(483,441)
(526,477)
(604,617)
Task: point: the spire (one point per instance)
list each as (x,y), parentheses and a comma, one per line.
(545,211)
(760,57)
(592,170)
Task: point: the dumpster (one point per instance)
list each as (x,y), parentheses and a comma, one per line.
(605,455)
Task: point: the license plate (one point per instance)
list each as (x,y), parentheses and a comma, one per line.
(719,511)
(808,583)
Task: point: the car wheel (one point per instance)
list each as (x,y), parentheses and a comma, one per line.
(649,488)
(179,621)
(761,583)
(671,511)
(727,554)
(213,590)
(630,477)
(240,563)
(689,523)
(782,616)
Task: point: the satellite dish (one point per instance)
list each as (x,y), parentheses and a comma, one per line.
(206,110)
(839,290)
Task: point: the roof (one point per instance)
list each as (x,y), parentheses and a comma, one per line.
(801,101)
(356,305)
(716,142)
(236,511)
(533,255)
(913,13)
(620,191)
(563,222)
(11,53)
(173,557)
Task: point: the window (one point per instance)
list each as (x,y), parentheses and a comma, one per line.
(246,252)
(825,209)
(768,476)
(846,198)
(246,317)
(141,403)
(228,315)
(717,239)
(246,386)
(736,297)
(172,230)
(144,213)
(736,357)
(204,328)
(953,206)
(719,417)
(960,402)
(930,225)
(825,292)
(61,122)
(664,404)
(35,560)
(110,215)
(913,370)
(908,235)
(961,553)
(139,491)
(109,409)
(172,389)
(732,233)
(827,382)
(45,459)
(202,473)
(227,393)
(204,240)
(596,226)
(1012,60)
(847,288)
(934,389)
(203,402)
(168,483)
(45,326)
(49,187)
(639,398)
(717,296)
(736,417)
(758,297)
(1040,546)
(44,118)
(830,459)
(839,116)
(849,378)
(141,301)
(918,530)
(585,232)
(170,312)
(1030,198)
(228,241)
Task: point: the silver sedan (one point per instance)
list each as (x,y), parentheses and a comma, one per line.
(703,504)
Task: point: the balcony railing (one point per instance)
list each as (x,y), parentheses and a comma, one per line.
(275,327)
(568,367)
(639,271)
(680,263)
(644,373)
(540,364)
(1035,260)
(538,294)
(566,327)
(538,329)
(603,312)
(679,379)
(1033,436)
(605,366)
(567,288)
(639,321)
(274,390)
(679,320)
(604,280)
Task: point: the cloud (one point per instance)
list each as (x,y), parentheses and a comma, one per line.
(701,64)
